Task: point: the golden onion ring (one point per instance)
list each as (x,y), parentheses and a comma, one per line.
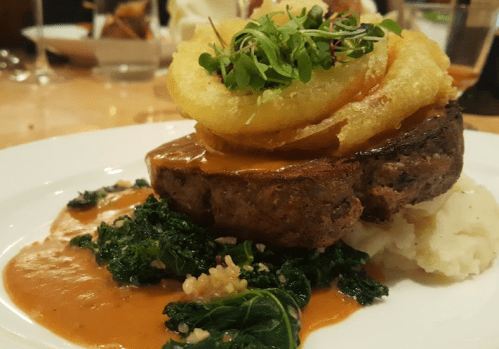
(229,113)
(416,77)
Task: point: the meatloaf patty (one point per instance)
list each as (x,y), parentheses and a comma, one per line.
(295,200)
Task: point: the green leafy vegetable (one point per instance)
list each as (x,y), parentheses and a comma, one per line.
(154,244)
(89,199)
(265,55)
(141,183)
(157,243)
(359,285)
(252,319)
(299,270)
(391,25)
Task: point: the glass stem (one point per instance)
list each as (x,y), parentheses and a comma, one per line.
(41,63)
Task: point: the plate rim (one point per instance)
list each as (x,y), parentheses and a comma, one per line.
(84,53)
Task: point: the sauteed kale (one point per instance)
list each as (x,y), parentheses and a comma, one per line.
(260,318)
(89,198)
(157,243)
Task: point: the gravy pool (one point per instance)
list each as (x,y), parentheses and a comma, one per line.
(63,289)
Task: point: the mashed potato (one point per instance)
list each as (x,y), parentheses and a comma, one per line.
(455,235)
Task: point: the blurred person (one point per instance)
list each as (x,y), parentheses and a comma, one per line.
(185,14)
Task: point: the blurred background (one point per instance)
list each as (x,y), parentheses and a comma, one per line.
(15,15)
(85,102)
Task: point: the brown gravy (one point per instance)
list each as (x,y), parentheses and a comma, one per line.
(64,290)
(187,152)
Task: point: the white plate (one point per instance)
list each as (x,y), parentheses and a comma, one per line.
(37,180)
(72,41)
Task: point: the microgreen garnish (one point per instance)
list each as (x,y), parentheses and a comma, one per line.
(265,55)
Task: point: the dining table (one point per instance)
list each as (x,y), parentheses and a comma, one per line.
(84,102)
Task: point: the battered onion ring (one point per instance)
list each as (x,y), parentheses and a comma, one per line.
(229,113)
(417,77)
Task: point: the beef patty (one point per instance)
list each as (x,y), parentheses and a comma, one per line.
(295,200)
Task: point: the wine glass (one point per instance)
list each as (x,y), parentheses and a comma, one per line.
(41,73)
(464,31)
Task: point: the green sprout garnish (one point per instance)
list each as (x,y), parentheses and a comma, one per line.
(265,55)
